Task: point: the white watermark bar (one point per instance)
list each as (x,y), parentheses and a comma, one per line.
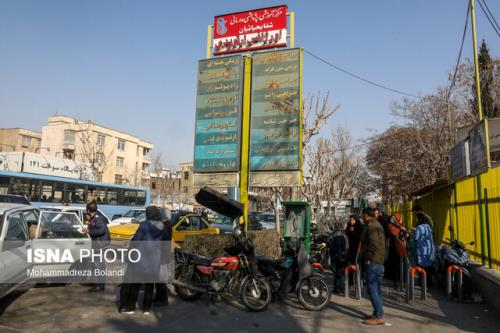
(62,261)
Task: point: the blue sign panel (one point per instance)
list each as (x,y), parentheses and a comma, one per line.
(218,115)
(276,115)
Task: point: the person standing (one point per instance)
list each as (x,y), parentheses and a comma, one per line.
(339,247)
(422,217)
(146,241)
(353,232)
(372,255)
(97,229)
(423,245)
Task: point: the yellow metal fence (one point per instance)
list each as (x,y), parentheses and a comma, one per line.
(459,205)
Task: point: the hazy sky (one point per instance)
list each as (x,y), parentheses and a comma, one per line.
(131,65)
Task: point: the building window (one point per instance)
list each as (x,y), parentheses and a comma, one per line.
(25,141)
(185,190)
(69,154)
(118,179)
(69,137)
(145,152)
(119,162)
(101,139)
(99,158)
(145,166)
(186,175)
(121,144)
(99,176)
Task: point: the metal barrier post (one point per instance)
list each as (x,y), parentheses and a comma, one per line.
(410,294)
(450,273)
(355,270)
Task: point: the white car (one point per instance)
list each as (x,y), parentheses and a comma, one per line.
(128,217)
(79,211)
(54,230)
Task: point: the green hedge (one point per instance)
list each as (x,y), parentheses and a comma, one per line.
(266,242)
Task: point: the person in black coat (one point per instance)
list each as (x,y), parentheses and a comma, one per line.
(147,269)
(354,228)
(97,229)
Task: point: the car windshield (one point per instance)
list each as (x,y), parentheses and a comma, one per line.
(221,219)
(139,218)
(59,225)
(131,213)
(268,218)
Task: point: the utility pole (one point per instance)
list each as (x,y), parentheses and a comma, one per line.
(476,61)
(480,110)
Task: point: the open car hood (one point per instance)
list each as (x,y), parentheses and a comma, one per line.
(219,202)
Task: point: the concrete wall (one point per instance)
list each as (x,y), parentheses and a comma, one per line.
(487,280)
(11,139)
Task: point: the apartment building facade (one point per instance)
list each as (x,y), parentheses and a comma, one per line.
(20,140)
(114,156)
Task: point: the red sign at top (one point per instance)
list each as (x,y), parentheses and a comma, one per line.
(252,30)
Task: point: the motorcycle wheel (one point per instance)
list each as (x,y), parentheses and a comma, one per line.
(255,293)
(314,293)
(183,292)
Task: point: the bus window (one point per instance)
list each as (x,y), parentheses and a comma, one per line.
(112,196)
(100,195)
(4,185)
(129,198)
(21,187)
(75,193)
(57,192)
(46,192)
(141,198)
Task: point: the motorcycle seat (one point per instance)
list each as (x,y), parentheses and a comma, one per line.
(270,261)
(200,260)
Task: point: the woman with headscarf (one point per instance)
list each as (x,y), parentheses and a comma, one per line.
(354,229)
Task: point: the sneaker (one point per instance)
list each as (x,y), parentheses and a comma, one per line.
(374,321)
(146,313)
(129,312)
(370,317)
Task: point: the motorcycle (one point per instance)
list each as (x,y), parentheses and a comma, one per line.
(196,275)
(454,254)
(294,272)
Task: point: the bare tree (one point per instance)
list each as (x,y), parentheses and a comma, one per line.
(317,112)
(93,148)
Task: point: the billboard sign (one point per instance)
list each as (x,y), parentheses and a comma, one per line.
(459,159)
(251,30)
(218,115)
(478,143)
(53,166)
(276,118)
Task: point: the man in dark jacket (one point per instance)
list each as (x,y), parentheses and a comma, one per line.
(97,228)
(372,255)
(147,241)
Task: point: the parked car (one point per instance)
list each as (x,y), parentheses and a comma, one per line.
(183,224)
(79,211)
(16,199)
(268,220)
(52,227)
(128,216)
(223,223)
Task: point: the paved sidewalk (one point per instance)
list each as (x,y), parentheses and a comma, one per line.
(71,309)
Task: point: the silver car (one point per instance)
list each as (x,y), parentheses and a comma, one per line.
(23,230)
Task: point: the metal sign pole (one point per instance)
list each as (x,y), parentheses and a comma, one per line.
(245,139)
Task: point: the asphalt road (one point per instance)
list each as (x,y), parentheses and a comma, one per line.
(72,309)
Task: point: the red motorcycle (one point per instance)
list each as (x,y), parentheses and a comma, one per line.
(236,274)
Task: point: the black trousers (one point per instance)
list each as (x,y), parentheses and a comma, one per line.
(129,294)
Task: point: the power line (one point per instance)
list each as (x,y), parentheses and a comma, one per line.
(491,14)
(359,77)
(459,53)
(489,19)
